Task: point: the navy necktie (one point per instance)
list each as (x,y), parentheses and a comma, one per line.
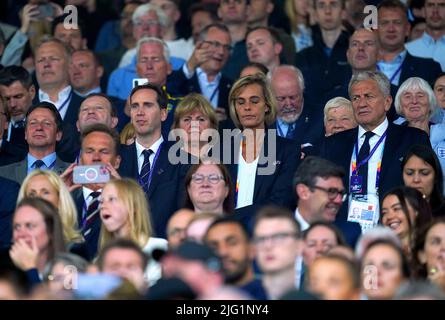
(363,154)
(145,170)
(290,131)
(38,164)
(19,124)
(92,213)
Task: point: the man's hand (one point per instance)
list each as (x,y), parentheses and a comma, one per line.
(202,53)
(67,178)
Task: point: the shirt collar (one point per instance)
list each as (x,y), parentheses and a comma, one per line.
(379,131)
(95,90)
(63,94)
(397,59)
(87,192)
(428,40)
(48,160)
(202,76)
(154,147)
(303,223)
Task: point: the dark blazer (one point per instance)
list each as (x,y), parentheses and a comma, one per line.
(425,68)
(18,171)
(275,188)
(10,153)
(180,85)
(339,147)
(166,191)
(92,238)
(9,191)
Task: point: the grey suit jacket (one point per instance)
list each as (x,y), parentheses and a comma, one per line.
(17,171)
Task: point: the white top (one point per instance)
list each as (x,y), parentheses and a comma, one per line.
(181,48)
(140,148)
(63,100)
(153,271)
(246,181)
(304,225)
(376,157)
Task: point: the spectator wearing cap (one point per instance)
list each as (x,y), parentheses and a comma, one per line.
(197,265)
(43,129)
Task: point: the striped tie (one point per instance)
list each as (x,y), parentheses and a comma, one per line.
(145,170)
(92,213)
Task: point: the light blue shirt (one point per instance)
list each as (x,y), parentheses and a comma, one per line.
(393,69)
(208,89)
(95,90)
(49,160)
(427,47)
(283,127)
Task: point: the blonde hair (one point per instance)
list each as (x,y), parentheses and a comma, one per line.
(269,97)
(192,102)
(133,198)
(291,12)
(128,132)
(66,207)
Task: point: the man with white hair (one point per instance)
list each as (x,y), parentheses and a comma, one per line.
(294,120)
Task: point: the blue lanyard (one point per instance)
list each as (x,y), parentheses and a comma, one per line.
(370,154)
(65,102)
(395,73)
(213,94)
(150,175)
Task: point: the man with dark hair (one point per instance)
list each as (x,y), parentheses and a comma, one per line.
(147,159)
(72,36)
(43,129)
(264,46)
(202,72)
(124,258)
(201,15)
(431,44)
(395,61)
(276,238)
(85,72)
(324,65)
(19,92)
(320,193)
(231,241)
(99,145)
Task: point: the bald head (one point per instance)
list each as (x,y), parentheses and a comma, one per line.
(363,50)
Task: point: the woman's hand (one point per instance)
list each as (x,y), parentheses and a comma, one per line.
(24,256)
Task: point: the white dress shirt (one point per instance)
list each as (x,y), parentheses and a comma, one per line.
(63,100)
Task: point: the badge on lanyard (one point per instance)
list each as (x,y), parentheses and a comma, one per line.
(356,185)
(365,211)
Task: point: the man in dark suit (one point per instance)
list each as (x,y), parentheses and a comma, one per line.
(202,72)
(100,145)
(395,62)
(9,191)
(371,153)
(52,64)
(43,129)
(294,120)
(320,194)
(147,159)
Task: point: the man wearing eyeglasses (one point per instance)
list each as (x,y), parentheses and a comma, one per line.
(202,72)
(276,238)
(320,192)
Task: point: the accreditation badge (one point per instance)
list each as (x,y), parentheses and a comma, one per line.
(364,210)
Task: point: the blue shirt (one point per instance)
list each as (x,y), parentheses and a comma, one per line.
(283,127)
(49,160)
(209,89)
(120,83)
(393,69)
(427,47)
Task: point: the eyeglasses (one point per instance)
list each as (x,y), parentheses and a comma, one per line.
(333,192)
(275,239)
(212,178)
(218,45)
(147,23)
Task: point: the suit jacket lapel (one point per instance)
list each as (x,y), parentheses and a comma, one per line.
(22,170)
(392,140)
(159,167)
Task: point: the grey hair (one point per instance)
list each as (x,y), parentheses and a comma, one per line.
(67,259)
(291,68)
(419,289)
(153,40)
(377,233)
(334,103)
(414,83)
(143,9)
(377,76)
